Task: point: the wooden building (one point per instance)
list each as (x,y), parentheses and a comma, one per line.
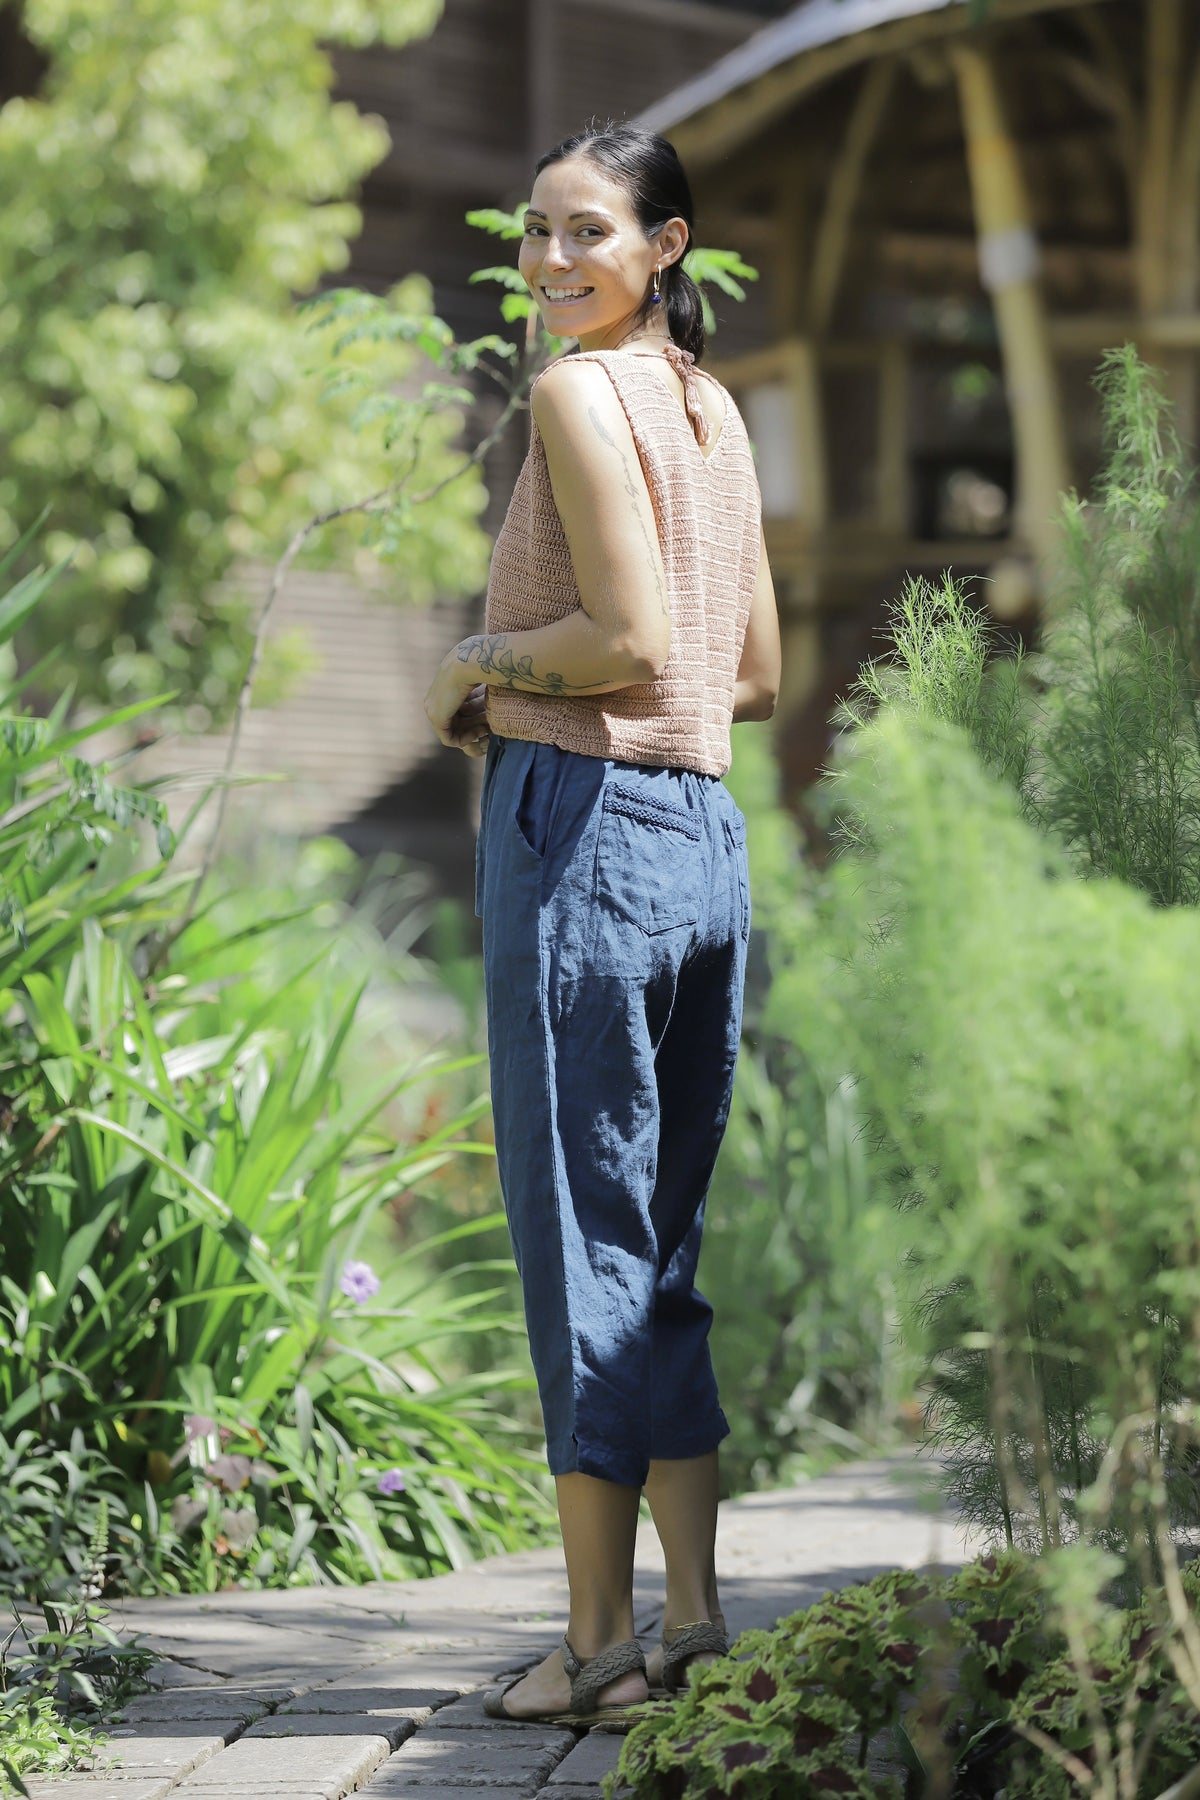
(952,223)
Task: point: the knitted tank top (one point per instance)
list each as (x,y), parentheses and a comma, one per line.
(707,510)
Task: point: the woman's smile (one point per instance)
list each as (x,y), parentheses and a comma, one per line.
(565,296)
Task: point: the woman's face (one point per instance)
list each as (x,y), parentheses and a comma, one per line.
(588,263)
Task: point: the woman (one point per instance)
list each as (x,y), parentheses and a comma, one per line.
(630,618)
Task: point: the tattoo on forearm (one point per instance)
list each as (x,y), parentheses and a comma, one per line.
(492,656)
(653,553)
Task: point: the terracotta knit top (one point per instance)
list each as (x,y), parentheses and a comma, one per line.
(707,509)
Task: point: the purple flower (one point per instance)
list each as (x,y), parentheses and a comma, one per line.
(198,1425)
(359,1281)
(392,1482)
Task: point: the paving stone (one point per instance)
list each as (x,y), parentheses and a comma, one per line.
(171,1674)
(363,1694)
(465,1713)
(590,1792)
(330,1767)
(436,1790)
(183,1706)
(159,1749)
(464,1759)
(395,1727)
(447,1670)
(588,1763)
(92,1787)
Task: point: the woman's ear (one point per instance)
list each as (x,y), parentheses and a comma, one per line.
(672,241)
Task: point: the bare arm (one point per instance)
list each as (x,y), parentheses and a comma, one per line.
(757,687)
(621,633)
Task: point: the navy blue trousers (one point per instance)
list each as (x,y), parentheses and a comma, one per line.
(616,911)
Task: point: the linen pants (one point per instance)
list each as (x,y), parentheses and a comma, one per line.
(616,911)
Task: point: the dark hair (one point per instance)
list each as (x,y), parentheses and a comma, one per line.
(652,175)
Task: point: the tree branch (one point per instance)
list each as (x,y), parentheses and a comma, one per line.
(373,503)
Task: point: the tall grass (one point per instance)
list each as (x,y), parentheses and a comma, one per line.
(190,1165)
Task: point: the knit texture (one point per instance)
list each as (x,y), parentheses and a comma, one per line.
(707,510)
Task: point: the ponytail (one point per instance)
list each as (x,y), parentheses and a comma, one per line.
(685,310)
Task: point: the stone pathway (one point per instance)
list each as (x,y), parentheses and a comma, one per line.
(317,1693)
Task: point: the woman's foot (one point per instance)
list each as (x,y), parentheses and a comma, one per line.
(654,1658)
(547,1690)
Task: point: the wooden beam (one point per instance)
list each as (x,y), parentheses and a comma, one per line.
(841,195)
(1185,234)
(709,135)
(1099,90)
(542,80)
(1008,256)
(791,237)
(1163,55)
(892,448)
(810,432)
(685,14)
(1089,333)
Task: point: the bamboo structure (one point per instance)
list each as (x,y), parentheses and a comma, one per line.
(1009,263)
(953,223)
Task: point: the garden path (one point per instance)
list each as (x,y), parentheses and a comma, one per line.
(318,1693)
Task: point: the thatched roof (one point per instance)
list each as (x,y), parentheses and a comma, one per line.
(708,115)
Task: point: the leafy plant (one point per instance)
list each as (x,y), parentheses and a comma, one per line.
(922,1685)
(186,1176)
(157,388)
(72,1664)
(1000,1062)
(800,1243)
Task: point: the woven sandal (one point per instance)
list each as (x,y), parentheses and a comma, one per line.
(588,1681)
(703,1638)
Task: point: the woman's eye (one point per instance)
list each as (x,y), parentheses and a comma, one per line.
(532,230)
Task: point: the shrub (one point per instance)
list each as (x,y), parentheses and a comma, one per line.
(190,1164)
(800,1243)
(922,1684)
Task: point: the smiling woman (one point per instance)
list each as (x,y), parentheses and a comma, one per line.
(630,619)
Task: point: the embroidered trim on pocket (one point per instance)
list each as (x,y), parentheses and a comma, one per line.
(649,811)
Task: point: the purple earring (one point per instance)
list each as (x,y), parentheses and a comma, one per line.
(656,297)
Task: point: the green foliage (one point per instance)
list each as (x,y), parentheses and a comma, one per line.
(1027,1050)
(920,1684)
(190,1168)
(1021,1020)
(800,1243)
(179,177)
(72,1664)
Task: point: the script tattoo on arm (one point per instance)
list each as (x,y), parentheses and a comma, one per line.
(493,656)
(653,557)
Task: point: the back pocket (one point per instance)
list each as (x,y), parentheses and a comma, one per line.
(648,859)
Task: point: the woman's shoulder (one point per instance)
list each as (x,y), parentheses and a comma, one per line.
(572,394)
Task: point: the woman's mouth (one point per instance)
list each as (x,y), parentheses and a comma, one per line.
(563,296)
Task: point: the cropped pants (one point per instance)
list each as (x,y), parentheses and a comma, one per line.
(616,911)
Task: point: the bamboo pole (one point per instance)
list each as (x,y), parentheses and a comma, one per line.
(1165,281)
(845,184)
(891,468)
(1008,256)
(1163,53)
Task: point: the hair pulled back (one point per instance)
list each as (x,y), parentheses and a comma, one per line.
(650,172)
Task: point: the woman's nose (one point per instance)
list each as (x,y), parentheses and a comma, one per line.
(555,254)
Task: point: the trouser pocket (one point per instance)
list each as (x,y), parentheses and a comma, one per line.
(649,856)
(735,834)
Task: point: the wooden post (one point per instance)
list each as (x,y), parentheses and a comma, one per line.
(1008,257)
(841,195)
(891,484)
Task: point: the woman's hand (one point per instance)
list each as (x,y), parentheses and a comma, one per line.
(455,707)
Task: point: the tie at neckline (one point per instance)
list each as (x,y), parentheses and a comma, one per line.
(684,365)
